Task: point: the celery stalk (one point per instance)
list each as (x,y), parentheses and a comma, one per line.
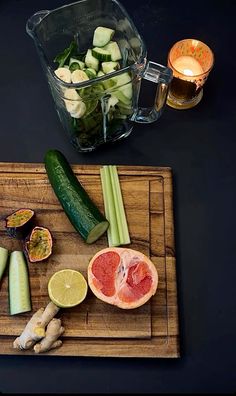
(119,207)
(113,238)
(118,233)
(106,205)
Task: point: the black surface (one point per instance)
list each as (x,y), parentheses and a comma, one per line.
(199,145)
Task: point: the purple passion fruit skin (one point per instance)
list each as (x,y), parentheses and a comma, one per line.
(19,223)
(38,246)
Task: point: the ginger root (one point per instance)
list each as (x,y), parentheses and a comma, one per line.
(50,341)
(35,328)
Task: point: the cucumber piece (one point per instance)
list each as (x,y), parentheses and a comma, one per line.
(121,97)
(90,61)
(3,260)
(74,66)
(124,91)
(91,73)
(102,36)
(78,206)
(110,83)
(113,48)
(19,290)
(112,101)
(100,73)
(122,79)
(79,62)
(109,67)
(101,54)
(125,109)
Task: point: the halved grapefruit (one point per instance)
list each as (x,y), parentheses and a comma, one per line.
(122,277)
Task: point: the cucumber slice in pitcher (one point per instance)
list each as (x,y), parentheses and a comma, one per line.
(91,61)
(102,36)
(113,48)
(109,67)
(101,54)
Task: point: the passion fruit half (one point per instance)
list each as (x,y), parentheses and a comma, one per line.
(39,245)
(19,223)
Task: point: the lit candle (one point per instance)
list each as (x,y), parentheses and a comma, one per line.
(191,62)
(188,66)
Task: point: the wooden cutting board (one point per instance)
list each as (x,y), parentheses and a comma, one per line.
(95,328)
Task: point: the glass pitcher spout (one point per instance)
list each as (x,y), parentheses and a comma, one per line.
(35,20)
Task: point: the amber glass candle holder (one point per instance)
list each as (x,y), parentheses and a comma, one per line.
(191,62)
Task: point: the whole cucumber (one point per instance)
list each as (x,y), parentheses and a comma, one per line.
(83,214)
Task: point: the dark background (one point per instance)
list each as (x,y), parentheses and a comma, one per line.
(199,144)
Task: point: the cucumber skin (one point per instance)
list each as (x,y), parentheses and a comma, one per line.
(78,206)
(3,260)
(18,286)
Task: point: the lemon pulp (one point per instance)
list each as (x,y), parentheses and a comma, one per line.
(67,288)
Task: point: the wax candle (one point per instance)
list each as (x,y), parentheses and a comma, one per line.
(191,61)
(188,66)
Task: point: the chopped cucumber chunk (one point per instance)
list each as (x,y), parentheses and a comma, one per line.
(90,61)
(101,54)
(79,63)
(91,73)
(100,73)
(113,48)
(102,36)
(74,66)
(109,67)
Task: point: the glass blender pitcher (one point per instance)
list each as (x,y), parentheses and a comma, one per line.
(103,107)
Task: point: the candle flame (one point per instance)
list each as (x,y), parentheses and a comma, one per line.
(188,72)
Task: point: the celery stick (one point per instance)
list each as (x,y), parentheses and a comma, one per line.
(119,206)
(106,205)
(111,215)
(116,203)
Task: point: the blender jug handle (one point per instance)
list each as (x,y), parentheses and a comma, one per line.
(34,20)
(162,76)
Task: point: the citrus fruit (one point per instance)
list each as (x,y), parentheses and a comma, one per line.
(67,288)
(39,245)
(122,277)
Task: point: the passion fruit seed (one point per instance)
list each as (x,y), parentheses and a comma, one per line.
(19,222)
(39,245)
(19,218)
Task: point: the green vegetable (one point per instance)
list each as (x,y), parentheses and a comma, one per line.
(117,233)
(78,206)
(101,54)
(91,73)
(99,60)
(19,289)
(80,64)
(74,66)
(3,260)
(91,61)
(109,67)
(63,56)
(113,48)
(102,36)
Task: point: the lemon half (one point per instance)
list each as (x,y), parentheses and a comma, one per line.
(67,288)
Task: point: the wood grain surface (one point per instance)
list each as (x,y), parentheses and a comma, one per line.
(94,328)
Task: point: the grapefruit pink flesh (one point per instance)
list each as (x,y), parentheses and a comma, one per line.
(138,283)
(104,269)
(122,277)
